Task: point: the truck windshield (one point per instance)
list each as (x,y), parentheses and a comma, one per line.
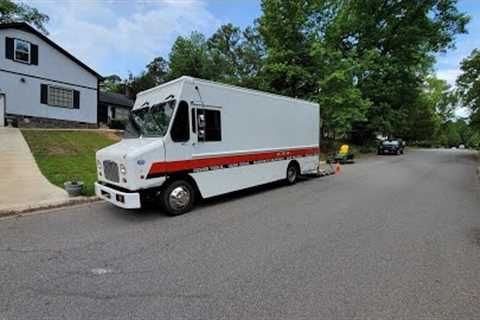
(153,121)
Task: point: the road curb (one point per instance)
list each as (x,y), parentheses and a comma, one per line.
(18,210)
(478,161)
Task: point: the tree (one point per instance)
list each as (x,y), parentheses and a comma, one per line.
(237,55)
(253,54)
(300,62)
(189,57)
(474,140)
(368,59)
(158,70)
(442,97)
(452,134)
(19,12)
(288,65)
(136,84)
(225,52)
(112,83)
(468,84)
(341,101)
(395,42)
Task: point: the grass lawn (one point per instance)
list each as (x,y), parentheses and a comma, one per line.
(68,155)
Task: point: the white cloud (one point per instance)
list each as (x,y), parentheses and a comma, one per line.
(122,36)
(449,75)
(462,112)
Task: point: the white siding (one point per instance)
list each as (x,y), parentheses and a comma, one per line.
(23,98)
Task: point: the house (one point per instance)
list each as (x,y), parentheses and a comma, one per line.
(41,84)
(113,106)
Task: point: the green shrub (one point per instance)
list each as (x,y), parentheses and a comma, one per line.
(118,124)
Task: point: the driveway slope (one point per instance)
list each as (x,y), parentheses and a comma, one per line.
(22,185)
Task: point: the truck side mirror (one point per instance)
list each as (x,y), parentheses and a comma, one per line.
(201,127)
(201,121)
(201,134)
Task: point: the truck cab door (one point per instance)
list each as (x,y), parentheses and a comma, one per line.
(180,147)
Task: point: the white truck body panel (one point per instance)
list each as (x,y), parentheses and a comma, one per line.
(261,134)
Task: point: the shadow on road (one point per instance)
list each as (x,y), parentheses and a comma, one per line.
(248,192)
(151,211)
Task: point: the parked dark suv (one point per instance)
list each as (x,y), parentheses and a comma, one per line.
(391,146)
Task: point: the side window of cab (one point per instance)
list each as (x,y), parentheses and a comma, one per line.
(180,128)
(210,126)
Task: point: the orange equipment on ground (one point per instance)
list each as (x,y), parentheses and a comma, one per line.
(337,168)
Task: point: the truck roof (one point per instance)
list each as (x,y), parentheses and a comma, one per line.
(229,86)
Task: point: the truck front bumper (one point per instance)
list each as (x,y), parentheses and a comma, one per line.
(126,200)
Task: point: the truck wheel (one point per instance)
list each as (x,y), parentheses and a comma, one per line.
(178,197)
(292,173)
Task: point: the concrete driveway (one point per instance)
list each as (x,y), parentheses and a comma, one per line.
(22,185)
(392,237)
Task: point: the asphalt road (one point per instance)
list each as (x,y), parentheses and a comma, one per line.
(393,237)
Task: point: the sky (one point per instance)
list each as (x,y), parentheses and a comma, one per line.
(122,36)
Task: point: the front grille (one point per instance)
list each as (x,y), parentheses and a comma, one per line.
(110,170)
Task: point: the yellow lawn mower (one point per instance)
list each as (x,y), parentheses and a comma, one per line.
(344,155)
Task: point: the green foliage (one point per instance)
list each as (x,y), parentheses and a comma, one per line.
(189,57)
(453,135)
(237,55)
(118,124)
(67,155)
(19,12)
(112,83)
(474,140)
(341,101)
(289,68)
(158,70)
(136,84)
(468,84)
(395,41)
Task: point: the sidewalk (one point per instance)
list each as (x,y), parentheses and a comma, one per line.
(22,185)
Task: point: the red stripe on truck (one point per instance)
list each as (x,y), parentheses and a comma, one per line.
(159,168)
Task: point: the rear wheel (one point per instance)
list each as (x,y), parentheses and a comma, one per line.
(177,197)
(292,173)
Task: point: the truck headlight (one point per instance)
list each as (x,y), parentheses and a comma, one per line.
(99,165)
(123,169)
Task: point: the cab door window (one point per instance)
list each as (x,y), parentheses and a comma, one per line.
(210,126)
(180,129)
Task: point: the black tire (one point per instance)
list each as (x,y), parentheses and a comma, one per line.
(292,173)
(178,197)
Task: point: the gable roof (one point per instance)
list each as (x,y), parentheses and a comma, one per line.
(27,28)
(115,98)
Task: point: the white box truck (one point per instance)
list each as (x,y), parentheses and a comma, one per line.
(193,138)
